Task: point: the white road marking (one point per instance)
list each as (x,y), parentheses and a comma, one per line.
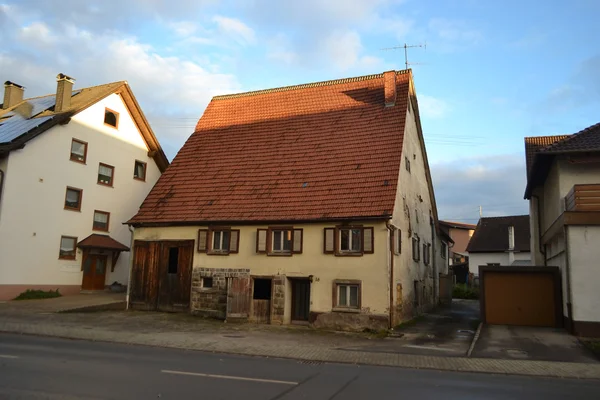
(7,356)
(414,346)
(238,378)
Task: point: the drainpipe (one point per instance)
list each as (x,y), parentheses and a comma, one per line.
(568,279)
(1,184)
(391,311)
(542,248)
(434,264)
(131,255)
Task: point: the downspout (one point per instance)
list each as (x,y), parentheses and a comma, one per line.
(542,248)
(391,309)
(568,279)
(131,256)
(1,184)
(434,264)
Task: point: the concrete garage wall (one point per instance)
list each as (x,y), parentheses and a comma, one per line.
(33,215)
(584,253)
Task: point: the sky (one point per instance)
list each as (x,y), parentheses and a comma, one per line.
(492,72)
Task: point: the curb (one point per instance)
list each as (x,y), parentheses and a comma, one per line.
(475,338)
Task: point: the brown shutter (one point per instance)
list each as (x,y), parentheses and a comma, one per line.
(261,240)
(202,240)
(297,244)
(368,241)
(329,240)
(234,240)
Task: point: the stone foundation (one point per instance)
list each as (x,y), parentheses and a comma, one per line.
(345,321)
(212,302)
(278,299)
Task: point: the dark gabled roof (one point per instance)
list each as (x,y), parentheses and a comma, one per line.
(321,151)
(491,234)
(457,225)
(584,141)
(32,117)
(535,144)
(104,242)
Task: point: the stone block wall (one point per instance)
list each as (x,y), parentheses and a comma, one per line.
(278,299)
(212,302)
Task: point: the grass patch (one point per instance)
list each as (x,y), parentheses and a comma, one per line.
(462,291)
(31,294)
(409,323)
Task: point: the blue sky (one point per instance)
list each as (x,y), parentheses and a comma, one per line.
(492,73)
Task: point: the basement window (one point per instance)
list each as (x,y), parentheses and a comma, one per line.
(348,295)
(111,118)
(207,283)
(173,260)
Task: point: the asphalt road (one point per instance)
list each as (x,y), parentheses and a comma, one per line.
(44,368)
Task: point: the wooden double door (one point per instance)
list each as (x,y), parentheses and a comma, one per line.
(162,275)
(94,272)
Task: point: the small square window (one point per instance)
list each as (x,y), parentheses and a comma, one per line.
(73,199)
(398,242)
(67,247)
(351,240)
(220,241)
(207,283)
(105,174)
(139,171)
(173,264)
(101,220)
(416,251)
(347,296)
(78,151)
(111,118)
(282,241)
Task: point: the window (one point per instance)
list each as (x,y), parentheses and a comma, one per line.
(407,163)
(262,289)
(111,118)
(279,241)
(398,241)
(139,171)
(426,247)
(347,294)
(173,260)
(218,240)
(346,240)
(73,199)
(101,220)
(416,248)
(67,247)
(207,283)
(105,174)
(444,250)
(78,151)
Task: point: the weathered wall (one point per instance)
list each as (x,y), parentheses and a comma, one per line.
(370,269)
(477,259)
(34,218)
(584,253)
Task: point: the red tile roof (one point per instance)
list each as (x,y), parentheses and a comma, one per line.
(491,234)
(96,241)
(457,225)
(535,144)
(320,151)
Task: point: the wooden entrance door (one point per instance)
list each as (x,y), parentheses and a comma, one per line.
(238,297)
(300,299)
(94,272)
(175,275)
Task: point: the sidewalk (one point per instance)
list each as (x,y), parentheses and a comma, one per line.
(186,332)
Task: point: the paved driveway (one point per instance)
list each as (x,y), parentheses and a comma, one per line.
(88,302)
(530,343)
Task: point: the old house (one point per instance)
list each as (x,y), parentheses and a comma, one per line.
(303,204)
(499,241)
(563,189)
(460,233)
(74,166)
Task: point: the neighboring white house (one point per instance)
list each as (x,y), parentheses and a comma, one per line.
(563,189)
(500,241)
(74,166)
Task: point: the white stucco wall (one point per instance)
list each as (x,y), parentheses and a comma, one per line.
(370,269)
(556,256)
(584,253)
(477,259)
(34,218)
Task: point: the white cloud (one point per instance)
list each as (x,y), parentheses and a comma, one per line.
(454,35)
(183,28)
(432,107)
(235,28)
(279,49)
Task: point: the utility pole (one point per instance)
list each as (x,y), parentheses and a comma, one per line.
(406,47)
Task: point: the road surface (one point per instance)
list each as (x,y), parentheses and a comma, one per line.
(34,367)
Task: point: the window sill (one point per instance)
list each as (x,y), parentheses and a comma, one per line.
(281,254)
(217,253)
(346,310)
(349,254)
(78,161)
(68,258)
(139,179)
(73,209)
(100,230)
(105,184)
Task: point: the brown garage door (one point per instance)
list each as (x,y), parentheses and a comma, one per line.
(525,296)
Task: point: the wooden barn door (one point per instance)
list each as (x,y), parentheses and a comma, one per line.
(175,275)
(143,293)
(238,297)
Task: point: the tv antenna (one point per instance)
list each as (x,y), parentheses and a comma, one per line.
(406,47)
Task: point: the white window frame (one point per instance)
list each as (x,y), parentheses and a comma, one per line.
(290,233)
(221,248)
(347,288)
(350,241)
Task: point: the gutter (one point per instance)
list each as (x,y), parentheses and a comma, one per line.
(1,184)
(391,310)
(568,283)
(542,248)
(131,256)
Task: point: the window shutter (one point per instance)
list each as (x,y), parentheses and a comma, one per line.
(297,245)
(234,240)
(261,240)
(329,240)
(368,240)
(202,240)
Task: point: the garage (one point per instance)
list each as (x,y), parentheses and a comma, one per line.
(524,296)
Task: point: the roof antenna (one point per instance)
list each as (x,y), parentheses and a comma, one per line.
(406,47)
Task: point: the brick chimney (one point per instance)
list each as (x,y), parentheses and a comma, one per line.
(13,94)
(389,85)
(64,88)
